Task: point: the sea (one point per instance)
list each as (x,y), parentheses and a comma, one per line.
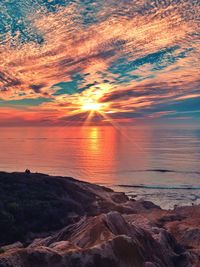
(159,163)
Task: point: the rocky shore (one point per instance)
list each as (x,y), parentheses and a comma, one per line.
(50,221)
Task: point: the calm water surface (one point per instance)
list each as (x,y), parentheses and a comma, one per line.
(154,163)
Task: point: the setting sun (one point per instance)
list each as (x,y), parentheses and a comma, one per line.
(91,106)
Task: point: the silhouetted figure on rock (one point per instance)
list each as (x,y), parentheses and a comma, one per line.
(27,171)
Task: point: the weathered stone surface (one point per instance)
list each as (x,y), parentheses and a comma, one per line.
(101,227)
(103,240)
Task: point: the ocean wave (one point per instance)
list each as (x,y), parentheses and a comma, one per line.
(162,187)
(162,171)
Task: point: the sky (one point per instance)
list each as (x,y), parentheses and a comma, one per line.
(105,61)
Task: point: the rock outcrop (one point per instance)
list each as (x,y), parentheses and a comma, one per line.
(34,204)
(103,240)
(106,230)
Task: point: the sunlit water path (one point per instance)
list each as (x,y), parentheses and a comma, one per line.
(154,163)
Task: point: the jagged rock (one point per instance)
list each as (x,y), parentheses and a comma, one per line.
(103,240)
(191,237)
(101,228)
(12,246)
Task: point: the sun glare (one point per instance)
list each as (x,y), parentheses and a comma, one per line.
(91,106)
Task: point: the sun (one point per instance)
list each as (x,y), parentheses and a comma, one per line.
(88,106)
(91,106)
